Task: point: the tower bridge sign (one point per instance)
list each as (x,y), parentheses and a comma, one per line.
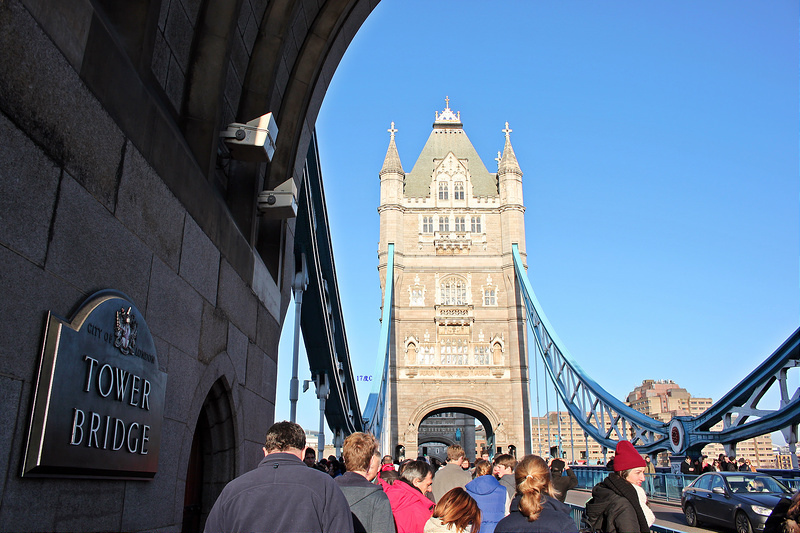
(99,399)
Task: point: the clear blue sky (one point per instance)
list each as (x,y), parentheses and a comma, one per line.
(659,145)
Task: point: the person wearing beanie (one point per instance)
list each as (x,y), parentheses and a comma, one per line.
(619,503)
(562,483)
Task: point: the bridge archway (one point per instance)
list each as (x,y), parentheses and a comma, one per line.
(496,435)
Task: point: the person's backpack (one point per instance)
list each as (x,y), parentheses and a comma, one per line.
(585,527)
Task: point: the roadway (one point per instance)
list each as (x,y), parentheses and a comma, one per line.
(668,515)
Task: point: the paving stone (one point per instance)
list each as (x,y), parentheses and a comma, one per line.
(63,117)
(182,379)
(93,250)
(237,300)
(175,83)
(28,190)
(174,310)
(149,209)
(199,261)
(178,31)
(161,55)
(149,505)
(237,351)
(269,332)
(213,333)
(15,408)
(25,312)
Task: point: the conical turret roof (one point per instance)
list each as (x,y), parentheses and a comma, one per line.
(391,163)
(448,136)
(508,161)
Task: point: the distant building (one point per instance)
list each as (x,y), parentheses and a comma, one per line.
(480,441)
(312,441)
(439,431)
(783,457)
(663,399)
(559,435)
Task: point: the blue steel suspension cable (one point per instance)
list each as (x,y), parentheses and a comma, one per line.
(538,409)
(571,439)
(547,410)
(559,440)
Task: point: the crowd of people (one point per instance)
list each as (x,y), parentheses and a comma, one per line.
(695,467)
(290,491)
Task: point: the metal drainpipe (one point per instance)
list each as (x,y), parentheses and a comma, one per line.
(298,286)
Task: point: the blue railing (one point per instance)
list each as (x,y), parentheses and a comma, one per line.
(576,512)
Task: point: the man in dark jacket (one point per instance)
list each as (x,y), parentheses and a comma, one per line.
(282,494)
(561,482)
(688,467)
(369,505)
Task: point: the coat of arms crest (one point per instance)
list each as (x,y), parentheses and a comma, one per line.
(125,331)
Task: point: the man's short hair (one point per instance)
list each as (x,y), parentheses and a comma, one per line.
(284,435)
(506,460)
(358,450)
(455,452)
(415,470)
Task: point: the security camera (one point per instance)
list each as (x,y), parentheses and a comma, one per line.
(280,202)
(253,141)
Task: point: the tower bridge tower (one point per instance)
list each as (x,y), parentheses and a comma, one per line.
(458,329)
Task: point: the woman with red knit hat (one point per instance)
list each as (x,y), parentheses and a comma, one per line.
(619,503)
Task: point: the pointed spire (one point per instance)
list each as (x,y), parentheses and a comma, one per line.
(447,118)
(392,161)
(508,161)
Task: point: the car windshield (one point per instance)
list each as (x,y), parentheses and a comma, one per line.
(757,484)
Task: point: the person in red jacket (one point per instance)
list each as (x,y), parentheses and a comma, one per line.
(407,496)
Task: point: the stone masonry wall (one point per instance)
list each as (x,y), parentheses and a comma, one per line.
(80,211)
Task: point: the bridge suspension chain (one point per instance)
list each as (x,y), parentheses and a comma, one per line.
(608,420)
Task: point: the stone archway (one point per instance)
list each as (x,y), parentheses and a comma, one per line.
(212,461)
(434,446)
(485,413)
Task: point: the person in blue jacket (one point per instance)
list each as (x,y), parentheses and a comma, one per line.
(491,496)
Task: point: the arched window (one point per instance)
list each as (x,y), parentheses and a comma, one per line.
(489,296)
(453,291)
(444,223)
(443,190)
(461,224)
(458,190)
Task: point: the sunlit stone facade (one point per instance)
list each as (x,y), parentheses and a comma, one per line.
(458,329)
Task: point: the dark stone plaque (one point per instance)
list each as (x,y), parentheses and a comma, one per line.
(99,400)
